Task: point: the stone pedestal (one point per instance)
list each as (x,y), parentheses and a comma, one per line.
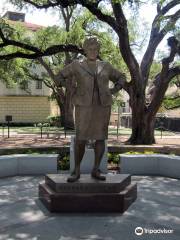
(115,194)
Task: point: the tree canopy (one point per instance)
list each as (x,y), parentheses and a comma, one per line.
(165,21)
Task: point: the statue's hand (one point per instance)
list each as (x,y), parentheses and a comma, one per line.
(59,80)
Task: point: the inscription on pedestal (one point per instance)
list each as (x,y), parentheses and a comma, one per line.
(115,194)
(86,184)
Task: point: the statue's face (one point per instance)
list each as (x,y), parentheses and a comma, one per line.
(92,52)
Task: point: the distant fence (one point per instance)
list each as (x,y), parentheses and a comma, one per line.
(171,124)
(126,121)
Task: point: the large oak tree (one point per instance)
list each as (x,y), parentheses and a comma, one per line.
(144,108)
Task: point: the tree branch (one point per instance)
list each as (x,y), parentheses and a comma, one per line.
(49,51)
(2,35)
(124,44)
(42,6)
(63,3)
(48,69)
(48,85)
(71,10)
(172,20)
(173,72)
(156,36)
(93,8)
(169,6)
(24,46)
(19,55)
(116,24)
(34,77)
(162,79)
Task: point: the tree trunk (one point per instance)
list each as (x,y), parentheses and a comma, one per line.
(60,98)
(142,122)
(62,110)
(142,130)
(67,119)
(66,107)
(61,105)
(69,108)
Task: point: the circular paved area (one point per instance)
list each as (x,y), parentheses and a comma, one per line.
(24,217)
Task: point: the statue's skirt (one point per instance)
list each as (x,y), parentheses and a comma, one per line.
(92,121)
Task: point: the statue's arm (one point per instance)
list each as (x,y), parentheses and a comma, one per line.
(63,75)
(118,78)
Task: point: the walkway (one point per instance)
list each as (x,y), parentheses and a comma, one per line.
(24,217)
(36,141)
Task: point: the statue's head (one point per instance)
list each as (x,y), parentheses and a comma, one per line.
(91,48)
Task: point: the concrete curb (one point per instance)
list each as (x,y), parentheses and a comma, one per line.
(27,164)
(151,164)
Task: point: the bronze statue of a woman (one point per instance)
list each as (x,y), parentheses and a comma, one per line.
(92,98)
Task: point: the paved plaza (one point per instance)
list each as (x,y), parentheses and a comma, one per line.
(24,217)
(36,141)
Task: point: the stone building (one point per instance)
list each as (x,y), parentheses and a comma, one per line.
(31,105)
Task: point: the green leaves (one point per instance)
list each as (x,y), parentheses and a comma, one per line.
(172,102)
(7,30)
(49,36)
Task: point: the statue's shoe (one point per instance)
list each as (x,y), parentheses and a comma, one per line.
(73,178)
(96,174)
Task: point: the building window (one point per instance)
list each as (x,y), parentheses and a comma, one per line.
(24,85)
(38,84)
(123,106)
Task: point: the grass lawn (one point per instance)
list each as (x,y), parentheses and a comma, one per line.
(127,131)
(27,130)
(112,131)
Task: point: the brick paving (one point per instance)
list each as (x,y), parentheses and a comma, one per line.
(24,217)
(36,141)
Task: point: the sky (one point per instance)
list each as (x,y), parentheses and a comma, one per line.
(40,17)
(50,17)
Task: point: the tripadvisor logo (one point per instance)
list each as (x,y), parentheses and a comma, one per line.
(139,231)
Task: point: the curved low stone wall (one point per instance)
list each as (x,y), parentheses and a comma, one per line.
(151,164)
(27,164)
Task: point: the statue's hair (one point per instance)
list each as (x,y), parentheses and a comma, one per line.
(91,41)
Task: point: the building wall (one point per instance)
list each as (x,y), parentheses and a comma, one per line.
(30,105)
(174,113)
(113,119)
(16,90)
(25,109)
(55,111)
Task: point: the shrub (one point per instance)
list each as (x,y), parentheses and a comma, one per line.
(63,161)
(145,152)
(54,120)
(113,158)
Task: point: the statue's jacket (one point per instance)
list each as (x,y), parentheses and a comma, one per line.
(83,81)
